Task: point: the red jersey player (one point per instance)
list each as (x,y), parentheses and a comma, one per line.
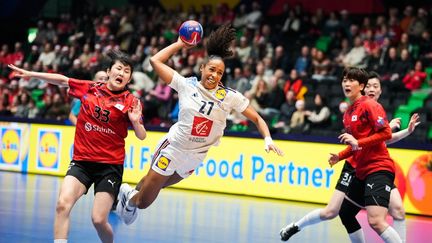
(333,207)
(350,209)
(107,110)
(367,130)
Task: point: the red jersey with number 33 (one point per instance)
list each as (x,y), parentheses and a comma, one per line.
(362,119)
(102,123)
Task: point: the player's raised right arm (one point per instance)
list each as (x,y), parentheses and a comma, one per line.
(52,78)
(157,61)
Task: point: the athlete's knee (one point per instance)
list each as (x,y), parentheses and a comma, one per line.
(64,205)
(377,223)
(329,213)
(397,212)
(99,220)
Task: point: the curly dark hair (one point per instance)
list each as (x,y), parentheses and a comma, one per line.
(219,42)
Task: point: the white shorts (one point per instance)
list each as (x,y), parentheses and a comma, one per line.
(167,159)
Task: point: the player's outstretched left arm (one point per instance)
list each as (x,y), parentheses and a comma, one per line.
(252,115)
(52,78)
(135,115)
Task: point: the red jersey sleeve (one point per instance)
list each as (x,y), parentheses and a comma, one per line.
(378,137)
(77,88)
(346,153)
(377,116)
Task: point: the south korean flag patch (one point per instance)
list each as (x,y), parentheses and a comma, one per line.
(380,122)
(119,106)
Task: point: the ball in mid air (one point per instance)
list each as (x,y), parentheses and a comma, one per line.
(191,32)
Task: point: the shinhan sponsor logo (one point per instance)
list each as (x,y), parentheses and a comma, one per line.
(89,127)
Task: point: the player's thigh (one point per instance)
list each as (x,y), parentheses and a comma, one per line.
(335,202)
(71,190)
(396,208)
(102,205)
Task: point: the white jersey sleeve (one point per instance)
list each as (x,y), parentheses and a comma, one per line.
(238,101)
(179,83)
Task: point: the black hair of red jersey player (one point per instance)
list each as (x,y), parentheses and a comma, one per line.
(359,74)
(122,57)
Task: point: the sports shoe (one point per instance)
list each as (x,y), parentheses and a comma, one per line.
(288,231)
(127,214)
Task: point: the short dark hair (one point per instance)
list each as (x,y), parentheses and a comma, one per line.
(115,55)
(373,74)
(358,74)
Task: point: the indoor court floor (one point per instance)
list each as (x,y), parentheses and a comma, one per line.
(28,205)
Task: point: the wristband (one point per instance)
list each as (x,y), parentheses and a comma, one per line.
(268,141)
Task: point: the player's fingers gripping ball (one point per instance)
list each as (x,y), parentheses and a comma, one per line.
(191,32)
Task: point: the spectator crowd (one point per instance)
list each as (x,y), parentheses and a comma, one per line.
(288,65)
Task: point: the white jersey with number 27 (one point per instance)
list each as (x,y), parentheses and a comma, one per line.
(203,113)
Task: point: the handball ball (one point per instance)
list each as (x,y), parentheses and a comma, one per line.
(191,32)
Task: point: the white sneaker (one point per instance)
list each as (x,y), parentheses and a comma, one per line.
(126,213)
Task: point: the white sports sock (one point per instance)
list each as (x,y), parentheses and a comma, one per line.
(400,227)
(309,219)
(390,236)
(357,236)
(60,241)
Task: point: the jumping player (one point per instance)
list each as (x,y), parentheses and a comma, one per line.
(107,110)
(204,107)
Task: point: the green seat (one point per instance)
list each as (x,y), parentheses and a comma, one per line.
(404,114)
(429,135)
(421,95)
(415,101)
(323,43)
(428,72)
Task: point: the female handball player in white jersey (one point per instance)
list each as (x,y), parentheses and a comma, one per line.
(204,107)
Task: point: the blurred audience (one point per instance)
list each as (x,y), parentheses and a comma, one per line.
(279,61)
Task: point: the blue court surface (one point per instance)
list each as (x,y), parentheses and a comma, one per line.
(28,206)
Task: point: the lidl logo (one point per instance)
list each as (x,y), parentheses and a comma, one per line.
(48,150)
(220,94)
(10,146)
(163,163)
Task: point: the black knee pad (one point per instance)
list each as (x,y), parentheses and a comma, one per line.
(347,214)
